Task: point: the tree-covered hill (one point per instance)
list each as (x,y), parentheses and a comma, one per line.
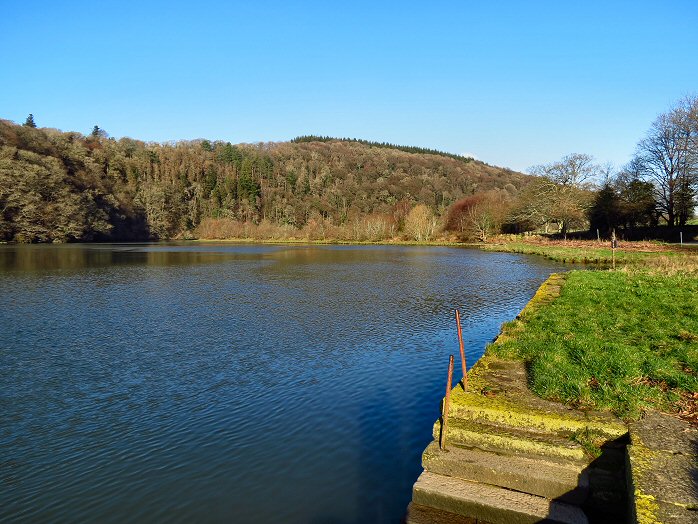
(65,186)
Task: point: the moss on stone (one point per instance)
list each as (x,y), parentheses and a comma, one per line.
(497,393)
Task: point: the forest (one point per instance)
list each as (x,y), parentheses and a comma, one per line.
(66,186)
(60,186)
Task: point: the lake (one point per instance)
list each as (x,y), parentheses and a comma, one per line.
(233,382)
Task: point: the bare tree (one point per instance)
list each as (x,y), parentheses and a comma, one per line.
(575,170)
(668,156)
(561,195)
(420,223)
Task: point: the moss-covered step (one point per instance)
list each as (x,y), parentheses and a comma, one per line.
(511,441)
(498,393)
(663,467)
(490,503)
(565,482)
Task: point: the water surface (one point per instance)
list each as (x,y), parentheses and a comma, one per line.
(233,383)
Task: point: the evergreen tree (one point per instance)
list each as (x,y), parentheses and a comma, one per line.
(98,132)
(604,213)
(29,122)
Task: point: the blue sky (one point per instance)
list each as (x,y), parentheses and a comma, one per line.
(515,83)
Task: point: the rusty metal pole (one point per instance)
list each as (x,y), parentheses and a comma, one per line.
(462,351)
(447,405)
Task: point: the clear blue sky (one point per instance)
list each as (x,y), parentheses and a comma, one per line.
(515,83)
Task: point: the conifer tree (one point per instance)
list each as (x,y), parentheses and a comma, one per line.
(29,122)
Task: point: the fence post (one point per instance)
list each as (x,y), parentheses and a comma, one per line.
(614,244)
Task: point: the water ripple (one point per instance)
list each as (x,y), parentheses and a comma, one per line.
(221,382)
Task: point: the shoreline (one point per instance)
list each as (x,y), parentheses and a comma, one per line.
(515,455)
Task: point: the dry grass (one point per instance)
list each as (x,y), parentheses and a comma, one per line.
(645,256)
(644,246)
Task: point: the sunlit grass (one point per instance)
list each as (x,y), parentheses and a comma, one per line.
(618,340)
(644,256)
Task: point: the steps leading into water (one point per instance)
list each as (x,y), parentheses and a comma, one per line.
(511,457)
(490,503)
(564,482)
(512,440)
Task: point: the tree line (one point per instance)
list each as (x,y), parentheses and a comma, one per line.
(657,187)
(407,149)
(66,186)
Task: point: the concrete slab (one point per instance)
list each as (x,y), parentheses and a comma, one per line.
(663,462)
(512,441)
(417,514)
(491,504)
(568,483)
(673,514)
(663,432)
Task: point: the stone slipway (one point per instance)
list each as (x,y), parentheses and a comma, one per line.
(512,457)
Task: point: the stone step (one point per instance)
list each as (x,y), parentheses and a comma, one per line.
(505,440)
(498,393)
(490,503)
(479,408)
(568,483)
(417,514)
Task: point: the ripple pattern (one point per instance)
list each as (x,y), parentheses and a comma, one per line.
(225,383)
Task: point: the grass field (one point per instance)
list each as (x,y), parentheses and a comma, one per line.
(621,340)
(646,256)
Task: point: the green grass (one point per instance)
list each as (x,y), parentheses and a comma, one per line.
(576,255)
(670,260)
(615,340)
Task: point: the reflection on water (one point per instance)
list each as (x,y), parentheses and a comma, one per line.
(223,382)
(67,257)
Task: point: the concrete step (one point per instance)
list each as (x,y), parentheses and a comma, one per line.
(417,514)
(505,440)
(498,393)
(489,503)
(535,414)
(568,483)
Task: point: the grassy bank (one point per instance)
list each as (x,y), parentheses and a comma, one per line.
(643,256)
(621,340)
(335,242)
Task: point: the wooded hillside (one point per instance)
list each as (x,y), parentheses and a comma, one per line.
(65,186)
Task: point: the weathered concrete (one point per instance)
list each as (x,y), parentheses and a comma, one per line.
(513,457)
(417,514)
(663,463)
(535,476)
(512,440)
(491,503)
(498,393)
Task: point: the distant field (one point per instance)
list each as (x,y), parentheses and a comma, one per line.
(647,255)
